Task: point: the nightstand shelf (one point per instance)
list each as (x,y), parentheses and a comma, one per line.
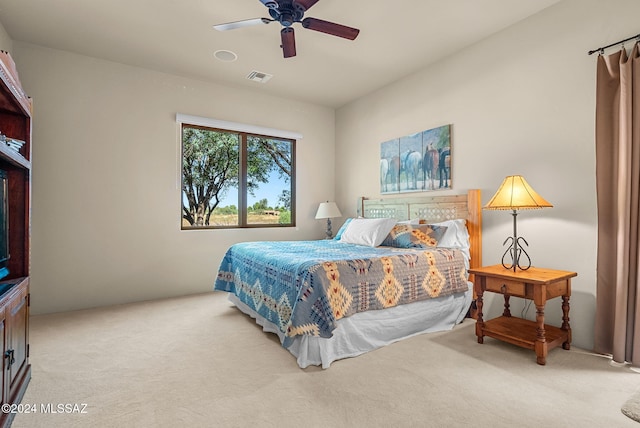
(534,284)
(523,333)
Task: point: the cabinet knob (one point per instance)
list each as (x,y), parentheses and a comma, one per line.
(503,289)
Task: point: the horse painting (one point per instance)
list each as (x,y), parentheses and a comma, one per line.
(389,174)
(444,167)
(394,172)
(430,165)
(411,165)
(384,170)
(416,162)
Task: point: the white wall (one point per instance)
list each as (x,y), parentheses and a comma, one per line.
(6,44)
(106,196)
(520,102)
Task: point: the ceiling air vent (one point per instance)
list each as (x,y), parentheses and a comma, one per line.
(258,76)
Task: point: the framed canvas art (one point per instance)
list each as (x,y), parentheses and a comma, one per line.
(417,162)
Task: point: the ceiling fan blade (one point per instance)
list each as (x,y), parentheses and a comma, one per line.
(304,5)
(288,42)
(271,4)
(241,24)
(330,28)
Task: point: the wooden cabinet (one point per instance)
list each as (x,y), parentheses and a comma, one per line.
(14,312)
(15,161)
(535,284)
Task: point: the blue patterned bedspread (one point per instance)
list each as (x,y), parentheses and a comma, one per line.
(304,287)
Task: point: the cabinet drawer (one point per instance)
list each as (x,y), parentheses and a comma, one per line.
(505,286)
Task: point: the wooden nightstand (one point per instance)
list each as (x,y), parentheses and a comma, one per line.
(536,284)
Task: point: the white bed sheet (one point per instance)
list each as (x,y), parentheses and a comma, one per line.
(366,331)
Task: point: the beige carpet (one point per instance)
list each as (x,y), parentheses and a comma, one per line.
(197,362)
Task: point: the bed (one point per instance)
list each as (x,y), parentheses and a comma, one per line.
(332,299)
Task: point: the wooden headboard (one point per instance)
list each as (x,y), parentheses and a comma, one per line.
(433,209)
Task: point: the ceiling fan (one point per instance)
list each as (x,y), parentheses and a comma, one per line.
(287,13)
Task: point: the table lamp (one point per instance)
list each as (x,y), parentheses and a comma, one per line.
(516,194)
(328,210)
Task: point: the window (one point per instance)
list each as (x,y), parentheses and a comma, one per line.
(236,179)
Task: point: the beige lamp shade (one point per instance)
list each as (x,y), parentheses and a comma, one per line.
(516,194)
(328,210)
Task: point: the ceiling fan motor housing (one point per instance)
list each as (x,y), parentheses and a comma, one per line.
(286,15)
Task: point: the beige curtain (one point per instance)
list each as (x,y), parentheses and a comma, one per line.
(617,329)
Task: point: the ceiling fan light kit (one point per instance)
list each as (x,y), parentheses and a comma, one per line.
(288,42)
(287,13)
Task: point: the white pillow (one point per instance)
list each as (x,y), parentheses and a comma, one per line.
(412,222)
(456,236)
(367,231)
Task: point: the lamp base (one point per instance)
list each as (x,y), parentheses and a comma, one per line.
(329,232)
(515,249)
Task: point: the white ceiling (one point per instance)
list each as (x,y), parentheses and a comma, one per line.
(397,38)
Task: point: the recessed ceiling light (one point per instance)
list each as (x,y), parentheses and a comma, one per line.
(226,56)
